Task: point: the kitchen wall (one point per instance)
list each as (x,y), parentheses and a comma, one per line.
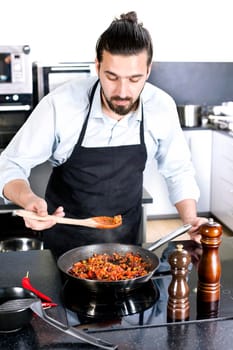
(182,30)
(198,83)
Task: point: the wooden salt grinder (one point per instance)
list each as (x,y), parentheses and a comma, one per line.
(209,268)
(178,291)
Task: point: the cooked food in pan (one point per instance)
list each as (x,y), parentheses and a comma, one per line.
(112,267)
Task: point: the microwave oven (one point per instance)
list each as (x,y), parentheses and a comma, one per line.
(46,77)
(15,78)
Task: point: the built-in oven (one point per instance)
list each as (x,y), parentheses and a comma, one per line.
(10,123)
(16,95)
(47,77)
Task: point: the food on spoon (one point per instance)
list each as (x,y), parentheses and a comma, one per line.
(107,220)
(108,267)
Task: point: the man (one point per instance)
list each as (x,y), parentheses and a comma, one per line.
(99,133)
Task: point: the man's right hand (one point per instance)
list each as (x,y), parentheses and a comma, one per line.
(42,225)
(19,192)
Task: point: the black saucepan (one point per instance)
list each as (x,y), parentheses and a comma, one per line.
(12,321)
(66,261)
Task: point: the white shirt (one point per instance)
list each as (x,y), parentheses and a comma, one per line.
(52,130)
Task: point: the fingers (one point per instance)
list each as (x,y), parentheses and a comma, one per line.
(59,212)
(195,236)
(194,231)
(38,225)
(39,206)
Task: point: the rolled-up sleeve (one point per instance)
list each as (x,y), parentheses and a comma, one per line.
(32,145)
(174,163)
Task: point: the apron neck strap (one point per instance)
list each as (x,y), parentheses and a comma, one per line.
(82,133)
(142,127)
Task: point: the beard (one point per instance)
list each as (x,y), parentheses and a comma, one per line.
(119,109)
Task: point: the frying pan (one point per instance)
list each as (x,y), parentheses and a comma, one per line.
(12,308)
(66,261)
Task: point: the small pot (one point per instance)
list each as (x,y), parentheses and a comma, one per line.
(189,115)
(12,321)
(20,244)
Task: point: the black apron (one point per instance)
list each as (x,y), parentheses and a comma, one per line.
(97,181)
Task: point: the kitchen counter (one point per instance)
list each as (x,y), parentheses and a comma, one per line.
(209,127)
(193,335)
(8,208)
(13,226)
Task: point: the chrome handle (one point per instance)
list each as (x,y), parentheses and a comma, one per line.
(179,231)
(15,108)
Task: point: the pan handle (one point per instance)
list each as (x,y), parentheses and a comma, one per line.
(85,337)
(179,231)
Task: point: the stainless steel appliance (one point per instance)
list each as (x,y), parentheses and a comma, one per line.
(46,76)
(16,98)
(15,78)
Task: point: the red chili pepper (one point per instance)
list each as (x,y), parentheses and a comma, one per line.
(27,285)
(48,305)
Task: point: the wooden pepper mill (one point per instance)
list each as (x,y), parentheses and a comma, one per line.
(178,291)
(209,270)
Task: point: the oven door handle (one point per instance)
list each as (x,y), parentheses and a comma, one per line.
(15,108)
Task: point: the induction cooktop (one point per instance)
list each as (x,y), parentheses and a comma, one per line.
(147,305)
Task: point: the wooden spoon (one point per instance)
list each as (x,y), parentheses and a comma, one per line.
(101,222)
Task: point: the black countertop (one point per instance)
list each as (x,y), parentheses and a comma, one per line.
(193,335)
(8,208)
(13,226)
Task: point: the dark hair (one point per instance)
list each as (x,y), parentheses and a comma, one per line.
(125,36)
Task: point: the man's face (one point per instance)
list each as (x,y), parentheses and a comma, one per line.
(122,79)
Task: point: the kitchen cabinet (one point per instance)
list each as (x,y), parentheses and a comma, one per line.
(200,144)
(222,178)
